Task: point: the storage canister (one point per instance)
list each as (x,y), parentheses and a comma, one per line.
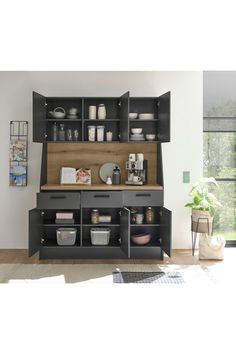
(91,132)
(100,133)
(94,216)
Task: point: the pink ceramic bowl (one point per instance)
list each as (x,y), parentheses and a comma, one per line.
(141,239)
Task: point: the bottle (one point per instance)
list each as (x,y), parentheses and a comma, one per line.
(94,216)
(150,215)
(54,131)
(116,177)
(61,133)
(101,111)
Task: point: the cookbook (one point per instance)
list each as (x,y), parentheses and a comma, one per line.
(70,175)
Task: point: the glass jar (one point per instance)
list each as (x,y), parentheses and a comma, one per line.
(91,132)
(95,216)
(61,133)
(54,131)
(133,213)
(150,216)
(100,133)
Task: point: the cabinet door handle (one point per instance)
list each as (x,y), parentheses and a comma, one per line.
(143,195)
(57,197)
(101,196)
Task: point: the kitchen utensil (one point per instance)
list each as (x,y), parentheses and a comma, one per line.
(101,111)
(146,116)
(106,170)
(58,113)
(92,112)
(136,130)
(133,115)
(141,239)
(150,137)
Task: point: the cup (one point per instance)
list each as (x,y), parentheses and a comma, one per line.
(136,178)
(139,218)
(109,136)
(73,111)
(92,112)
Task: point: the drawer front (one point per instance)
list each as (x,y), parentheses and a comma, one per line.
(102,199)
(143,198)
(58,200)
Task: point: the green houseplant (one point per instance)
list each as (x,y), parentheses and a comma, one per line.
(204,205)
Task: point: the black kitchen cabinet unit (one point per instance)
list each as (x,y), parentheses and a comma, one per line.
(117,200)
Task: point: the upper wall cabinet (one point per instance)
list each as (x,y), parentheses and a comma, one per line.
(68,119)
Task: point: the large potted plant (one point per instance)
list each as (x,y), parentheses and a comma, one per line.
(204,205)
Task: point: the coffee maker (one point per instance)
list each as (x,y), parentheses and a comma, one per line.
(137,169)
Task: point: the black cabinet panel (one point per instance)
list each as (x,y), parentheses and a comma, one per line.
(166,237)
(58,200)
(145,252)
(125,231)
(143,198)
(102,199)
(163,127)
(35,231)
(124,117)
(39,118)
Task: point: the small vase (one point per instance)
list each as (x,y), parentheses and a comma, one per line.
(101,111)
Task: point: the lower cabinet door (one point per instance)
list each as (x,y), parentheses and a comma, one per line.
(165,228)
(125,231)
(35,231)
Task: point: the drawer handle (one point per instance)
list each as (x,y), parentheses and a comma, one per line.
(143,195)
(58,197)
(101,196)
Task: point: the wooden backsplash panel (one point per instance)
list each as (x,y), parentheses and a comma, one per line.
(94,155)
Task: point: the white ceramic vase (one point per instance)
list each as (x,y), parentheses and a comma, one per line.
(101,111)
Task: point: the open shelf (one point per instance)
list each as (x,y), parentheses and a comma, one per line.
(112,243)
(61,225)
(63,120)
(91,187)
(51,243)
(87,120)
(101,225)
(144,225)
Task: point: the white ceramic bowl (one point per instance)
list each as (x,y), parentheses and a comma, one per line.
(133,115)
(136,130)
(146,116)
(150,136)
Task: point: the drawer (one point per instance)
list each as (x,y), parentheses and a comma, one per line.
(102,199)
(58,200)
(143,198)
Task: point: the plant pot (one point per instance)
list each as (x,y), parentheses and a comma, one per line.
(202,222)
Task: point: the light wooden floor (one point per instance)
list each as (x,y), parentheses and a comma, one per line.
(178,257)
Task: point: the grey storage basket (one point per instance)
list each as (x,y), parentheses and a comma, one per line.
(66,236)
(100,236)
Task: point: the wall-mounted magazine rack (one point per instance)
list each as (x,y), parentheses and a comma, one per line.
(18,153)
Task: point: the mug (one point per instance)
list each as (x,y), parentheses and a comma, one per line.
(136,178)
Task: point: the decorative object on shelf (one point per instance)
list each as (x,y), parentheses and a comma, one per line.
(100,236)
(133,115)
(150,215)
(109,136)
(136,131)
(141,239)
(61,132)
(100,133)
(108,180)
(76,134)
(104,218)
(150,137)
(101,111)
(54,132)
(18,158)
(92,112)
(137,134)
(69,136)
(58,113)
(106,170)
(91,132)
(116,176)
(70,175)
(95,216)
(147,116)
(139,218)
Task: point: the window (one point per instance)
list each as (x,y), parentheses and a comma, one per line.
(219,126)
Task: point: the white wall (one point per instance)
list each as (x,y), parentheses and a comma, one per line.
(183,153)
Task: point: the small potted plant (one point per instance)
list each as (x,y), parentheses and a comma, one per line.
(204,205)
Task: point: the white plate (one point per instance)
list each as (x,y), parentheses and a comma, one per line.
(106,170)
(146,116)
